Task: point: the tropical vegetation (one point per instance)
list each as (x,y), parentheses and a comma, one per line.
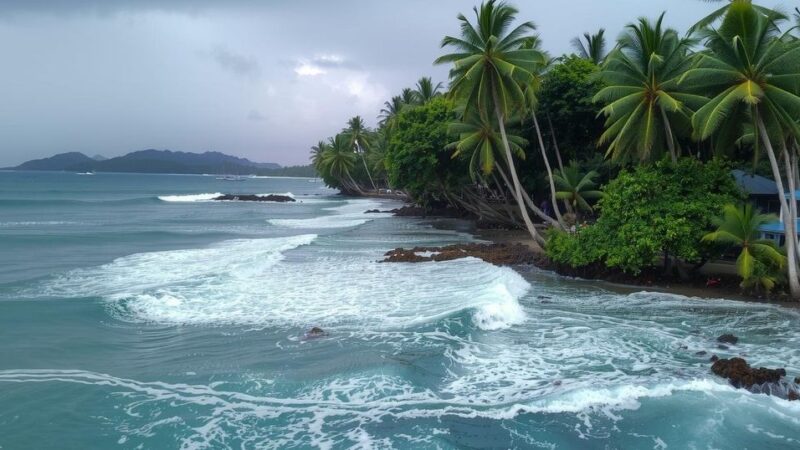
(651,128)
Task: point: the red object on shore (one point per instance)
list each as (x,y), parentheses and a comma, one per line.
(713,282)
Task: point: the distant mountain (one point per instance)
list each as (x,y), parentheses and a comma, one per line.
(99,158)
(153,161)
(57,162)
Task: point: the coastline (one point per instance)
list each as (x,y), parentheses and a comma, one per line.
(674,287)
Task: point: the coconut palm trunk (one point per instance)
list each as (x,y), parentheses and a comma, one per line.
(788,221)
(670,137)
(528,200)
(517,186)
(555,143)
(554,200)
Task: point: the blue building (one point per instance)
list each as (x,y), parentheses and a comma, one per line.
(762,192)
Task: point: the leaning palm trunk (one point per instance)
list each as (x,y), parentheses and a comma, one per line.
(556,210)
(670,137)
(354,185)
(788,221)
(555,143)
(366,168)
(791,177)
(528,200)
(517,186)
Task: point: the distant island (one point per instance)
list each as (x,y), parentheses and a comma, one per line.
(163,161)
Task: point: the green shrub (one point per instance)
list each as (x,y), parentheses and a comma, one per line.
(650,211)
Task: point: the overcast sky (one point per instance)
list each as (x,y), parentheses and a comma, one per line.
(260,79)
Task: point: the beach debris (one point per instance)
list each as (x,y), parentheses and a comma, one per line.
(255,198)
(500,254)
(728,339)
(756,380)
(315,332)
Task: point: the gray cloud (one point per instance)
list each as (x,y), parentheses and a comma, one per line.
(236,63)
(112,76)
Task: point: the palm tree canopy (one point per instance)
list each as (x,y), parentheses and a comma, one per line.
(576,187)
(752,70)
(592,46)
(338,157)
(490,66)
(426,90)
(644,101)
(480,140)
(720,13)
(357,133)
(739,226)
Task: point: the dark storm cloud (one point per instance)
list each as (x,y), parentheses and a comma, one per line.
(263,79)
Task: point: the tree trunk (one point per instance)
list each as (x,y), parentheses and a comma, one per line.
(528,200)
(364,160)
(670,137)
(791,174)
(788,221)
(549,173)
(517,186)
(555,144)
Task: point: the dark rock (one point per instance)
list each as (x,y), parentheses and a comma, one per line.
(543,297)
(701,353)
(315,332)
(545,302)
(714,358)
(255,198)
(793,395)
(741,375)
(500,254)
(722,347)
(372,211)
(728,339)
(796,380)
(557,383)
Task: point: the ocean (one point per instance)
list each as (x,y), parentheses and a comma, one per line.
(137,313)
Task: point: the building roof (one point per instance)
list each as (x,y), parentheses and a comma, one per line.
(754,184)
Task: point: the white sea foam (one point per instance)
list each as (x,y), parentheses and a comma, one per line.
(190,197)
(249,282)
(34,223)
(351,214)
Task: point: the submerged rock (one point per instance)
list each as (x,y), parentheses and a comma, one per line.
(500,254)
(701,353)
(757,380)
(255,198)
(315,332)
(728,339)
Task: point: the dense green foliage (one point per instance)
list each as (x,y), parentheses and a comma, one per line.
(565,100)
(416,156)
(650,211)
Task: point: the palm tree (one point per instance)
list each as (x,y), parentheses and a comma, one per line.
(338,159)
(408,96)
(738,226)
(391,109)
(575,188)
(489,71)
(720,13)
(592,47)
(645,106)
(753,75)
(358,134)
(316,153)
(426,90)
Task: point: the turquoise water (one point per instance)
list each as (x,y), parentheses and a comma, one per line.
(134,313)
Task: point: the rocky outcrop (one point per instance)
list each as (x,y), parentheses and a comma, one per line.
(255,198)
(728,339)
(315,332)
(757,380)
(500,254)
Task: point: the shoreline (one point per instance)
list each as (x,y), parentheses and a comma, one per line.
(677,287)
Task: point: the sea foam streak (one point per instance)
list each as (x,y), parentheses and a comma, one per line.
(351,214)
(190,197)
